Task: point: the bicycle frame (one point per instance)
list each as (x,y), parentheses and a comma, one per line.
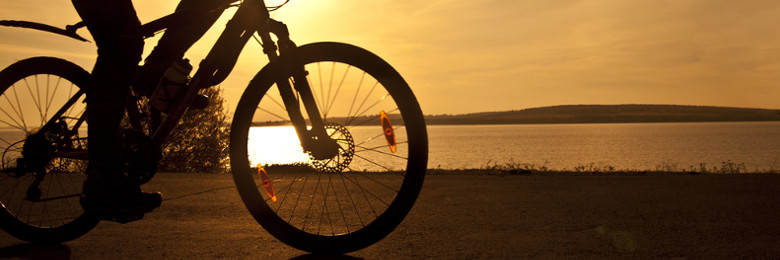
(370,197)
(252,16)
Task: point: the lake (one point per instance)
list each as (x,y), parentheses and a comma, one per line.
(640,146)
(637,146)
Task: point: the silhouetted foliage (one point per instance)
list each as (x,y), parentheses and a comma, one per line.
(200,141)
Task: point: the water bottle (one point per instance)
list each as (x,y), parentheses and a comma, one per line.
(171,85)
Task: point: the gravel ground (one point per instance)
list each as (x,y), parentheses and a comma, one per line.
(467,217)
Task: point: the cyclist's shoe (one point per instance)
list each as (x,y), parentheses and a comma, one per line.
(118,201)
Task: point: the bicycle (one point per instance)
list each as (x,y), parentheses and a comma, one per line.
(359,141)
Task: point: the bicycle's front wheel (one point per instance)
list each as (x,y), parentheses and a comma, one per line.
(357,197)
(43,155)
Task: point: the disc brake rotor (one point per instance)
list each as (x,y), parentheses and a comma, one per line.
(346,144)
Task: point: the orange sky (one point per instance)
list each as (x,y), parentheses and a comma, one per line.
(473,56)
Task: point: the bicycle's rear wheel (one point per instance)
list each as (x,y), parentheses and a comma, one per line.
(359,196)
(39,183)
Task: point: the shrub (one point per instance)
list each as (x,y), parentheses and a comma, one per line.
(200,141)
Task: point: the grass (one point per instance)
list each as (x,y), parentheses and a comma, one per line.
(516,168)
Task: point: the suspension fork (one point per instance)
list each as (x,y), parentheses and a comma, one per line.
(317,133)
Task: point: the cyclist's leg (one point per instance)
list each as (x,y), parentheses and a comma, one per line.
(174,43)
(113,25)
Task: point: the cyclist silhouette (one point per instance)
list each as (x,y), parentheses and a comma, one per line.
(108,192)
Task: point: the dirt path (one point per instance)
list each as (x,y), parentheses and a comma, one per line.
(458,216)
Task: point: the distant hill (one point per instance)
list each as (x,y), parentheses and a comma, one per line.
(609,114)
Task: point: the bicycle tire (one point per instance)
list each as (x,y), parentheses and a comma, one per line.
(61,217)
(402,187)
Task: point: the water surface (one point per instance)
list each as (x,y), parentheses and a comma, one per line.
(642,146)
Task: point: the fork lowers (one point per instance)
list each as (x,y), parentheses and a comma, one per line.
(324,148)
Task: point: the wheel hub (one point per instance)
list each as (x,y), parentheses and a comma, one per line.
(342,150)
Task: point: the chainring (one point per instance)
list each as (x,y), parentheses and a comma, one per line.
(140,155)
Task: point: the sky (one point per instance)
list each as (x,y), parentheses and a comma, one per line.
(477,56)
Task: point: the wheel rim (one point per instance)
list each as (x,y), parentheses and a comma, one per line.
(40,195)
(345,193)
(323,216)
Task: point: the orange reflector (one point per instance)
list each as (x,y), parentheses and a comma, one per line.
(387,128)
(269,188)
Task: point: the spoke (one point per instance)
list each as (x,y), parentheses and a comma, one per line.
(12,189)
(300,193)
(377,151)
(284,190)
(269,112)
(70,94)
(324,210)
(74,188)
(40,104)
(45,204)
(29,213)
(15,124)
(376,147)
(274,100)
(367,191)
(53,93)
(330,87)
(6,142)
(350,91)
(354,206)
(373,105)
(83,110)
(376,136)
(313,196)
(70,110)
(16,112)
(372,162)
(363,102)
(354,98)
(374,118)
(19,105)
(46,100)
(364,192)
(338,203)
(322,89)
(338,89)
(364,175)
(62,191)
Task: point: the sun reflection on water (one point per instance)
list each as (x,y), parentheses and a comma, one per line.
(269,145)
